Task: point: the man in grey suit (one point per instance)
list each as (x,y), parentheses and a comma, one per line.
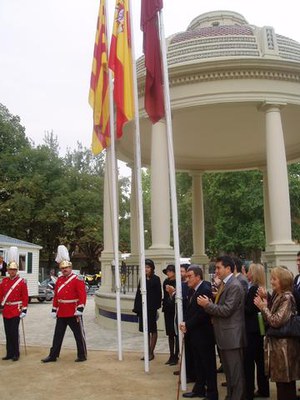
(229,325)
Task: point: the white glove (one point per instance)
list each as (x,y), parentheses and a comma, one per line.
(78,313)
(53,314)
(22,315)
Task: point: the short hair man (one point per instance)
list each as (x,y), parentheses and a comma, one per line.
(229,325)
(198,331)
(14,300)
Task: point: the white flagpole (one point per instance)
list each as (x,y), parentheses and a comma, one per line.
(172,175)
(114,191)
(140,215)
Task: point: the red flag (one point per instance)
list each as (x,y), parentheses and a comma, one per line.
(154,99)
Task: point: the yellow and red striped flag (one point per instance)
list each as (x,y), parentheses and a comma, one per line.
(120,62)
(99,87)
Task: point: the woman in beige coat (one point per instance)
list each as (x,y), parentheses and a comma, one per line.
(283,354)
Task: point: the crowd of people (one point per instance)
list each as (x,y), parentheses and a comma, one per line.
(232,314)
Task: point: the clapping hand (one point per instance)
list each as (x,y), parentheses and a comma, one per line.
(259,302)
(203,301)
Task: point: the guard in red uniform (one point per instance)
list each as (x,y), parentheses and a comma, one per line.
(68,305)
(14,300)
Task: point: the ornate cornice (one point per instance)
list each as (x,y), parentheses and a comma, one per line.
(179,79)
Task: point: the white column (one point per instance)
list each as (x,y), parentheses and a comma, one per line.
(133,214)
(198,215)
(107,254)
(160,191)
(279,199)
(268,233)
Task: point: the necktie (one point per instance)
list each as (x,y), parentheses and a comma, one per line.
(191,295)
(220,291)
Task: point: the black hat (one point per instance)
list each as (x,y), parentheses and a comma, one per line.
(150,263)
(170,267)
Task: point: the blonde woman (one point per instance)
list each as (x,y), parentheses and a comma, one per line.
(254,352)
(283,359)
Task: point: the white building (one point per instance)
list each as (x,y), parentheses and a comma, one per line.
(29,256)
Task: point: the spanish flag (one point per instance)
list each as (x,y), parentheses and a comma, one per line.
(120,62)
(99,87)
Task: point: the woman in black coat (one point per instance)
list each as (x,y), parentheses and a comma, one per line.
(153,288)
(169,312)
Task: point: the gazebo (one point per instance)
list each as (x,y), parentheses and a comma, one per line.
(235,99)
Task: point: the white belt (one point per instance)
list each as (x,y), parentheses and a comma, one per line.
(68,301)
(13,303)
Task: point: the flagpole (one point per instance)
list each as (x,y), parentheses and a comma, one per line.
(114,191)
(140,215)
(172,175)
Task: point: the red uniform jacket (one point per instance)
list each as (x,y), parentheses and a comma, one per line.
(70,296)
(19,296)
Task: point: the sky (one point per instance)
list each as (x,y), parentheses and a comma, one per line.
(46,50)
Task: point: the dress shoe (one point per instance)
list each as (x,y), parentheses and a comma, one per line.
(258,394)
(48,359)
(15,358)
(151,357)
(80,359)
(220,370)
(168,362)
(190,380)
(174,361)
(224,384)
(191,395)
(176,373)
(6,358)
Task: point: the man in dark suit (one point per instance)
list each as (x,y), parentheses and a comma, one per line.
(229,325)
(296,291)
(3,266)
(198,331)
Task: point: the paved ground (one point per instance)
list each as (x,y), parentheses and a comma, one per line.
(101,377)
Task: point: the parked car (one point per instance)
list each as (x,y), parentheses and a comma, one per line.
(46,290)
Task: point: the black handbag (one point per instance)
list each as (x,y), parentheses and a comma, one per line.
(290,329)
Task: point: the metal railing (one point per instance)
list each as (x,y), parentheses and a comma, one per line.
(129,277)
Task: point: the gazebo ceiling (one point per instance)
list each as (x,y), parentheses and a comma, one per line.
(221,71)
(218,137)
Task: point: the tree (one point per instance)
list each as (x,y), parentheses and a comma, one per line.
(12,133)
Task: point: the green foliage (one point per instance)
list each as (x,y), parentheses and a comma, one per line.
(47,199)
(12,133)
(234,212)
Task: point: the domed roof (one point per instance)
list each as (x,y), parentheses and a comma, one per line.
(226,35)
(220,34)
(223,74)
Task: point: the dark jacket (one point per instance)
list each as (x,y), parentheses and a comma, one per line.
(3,270)
(251,311)
(168,303)
(153,287)
(296,293)
(197,321)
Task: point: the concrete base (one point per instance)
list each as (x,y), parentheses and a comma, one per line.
(106,316)
(276,255)
(105,298)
